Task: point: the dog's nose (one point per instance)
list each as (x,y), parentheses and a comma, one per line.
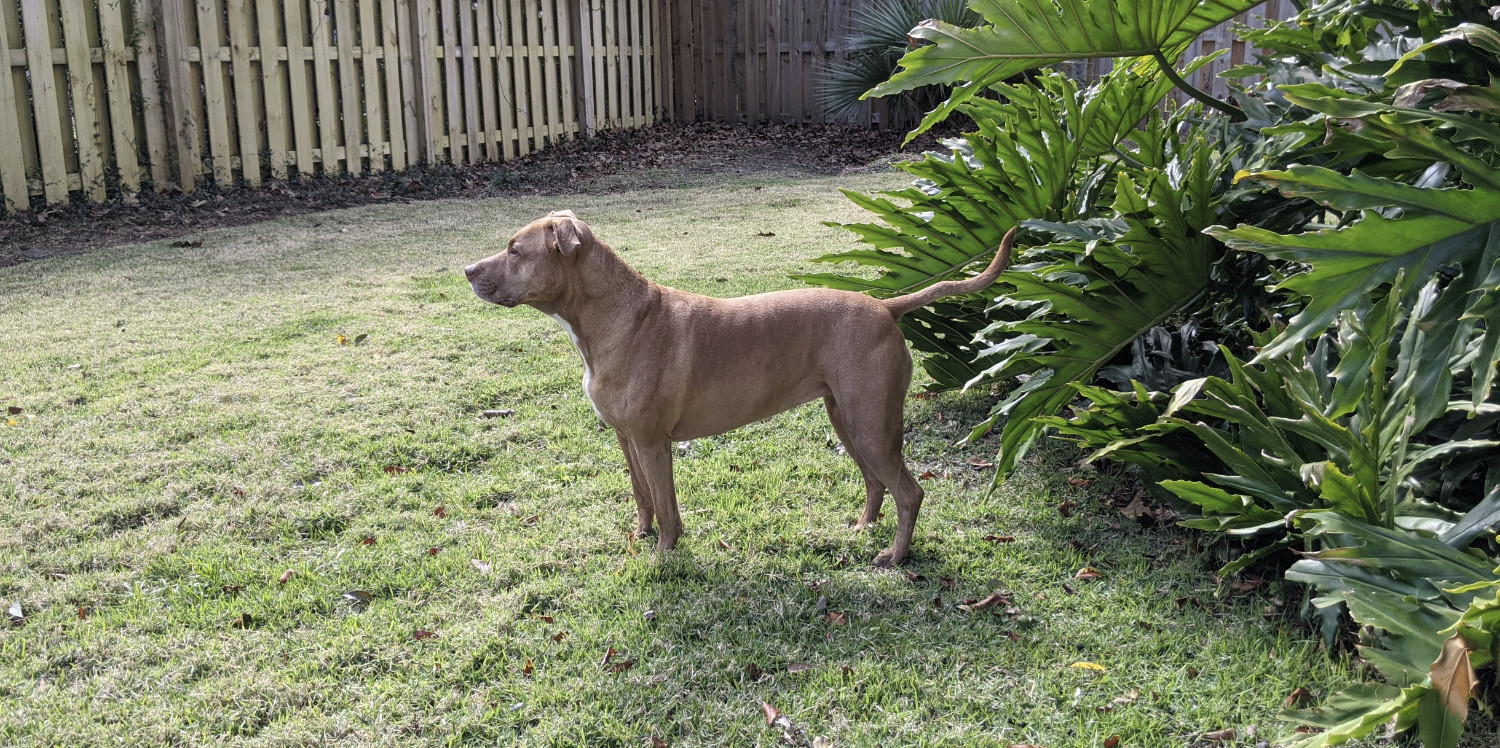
(470,270)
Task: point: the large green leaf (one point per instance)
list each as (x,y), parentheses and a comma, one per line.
(1020,35)
(1026,160)
(1094,298)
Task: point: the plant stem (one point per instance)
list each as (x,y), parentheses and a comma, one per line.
(1235,113)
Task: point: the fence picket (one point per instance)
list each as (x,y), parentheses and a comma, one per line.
(374,111)
(272,88)
(506,78)
(321,25)
(45,104)
(216,108)
(399,90)
(12,161)
(117,76)
(244,90)
(484,40)
(547,36)
(297,36)
(350,104)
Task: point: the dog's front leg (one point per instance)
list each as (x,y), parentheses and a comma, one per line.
(653,456)
(644,506)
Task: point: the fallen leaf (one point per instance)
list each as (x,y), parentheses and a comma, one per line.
(358,597)
(1453,676)
(822,742)
(1112,741)
(547,619)
(1192,672)
(1066,508)
(559,636)
(658,743)
(835,618)
(649,615)
(396,470)
(15,411)
(765,233)
(620,667)
(937,603)
(752,671)
(1069,590)
(503,413)
(245,621)
(185,243)
(1088,666)
(1080,482)
(369,540)
(286,576)
(723,544)
(798,667)
(341,340)
(980,463)
(433,551)
(1226,735)
(1013,636)
(421,634)
(17,614)
(83,613)
(483,567)
(608,655)
(1000,538)
(771,712)
(1088,572)
(232,589)
(1129,698)
(440,512)
(948,583)
(927,474)
(1298,699)
(361,338)
(239,493)
(528,668)
(914,577)
(995,598)
(531,520)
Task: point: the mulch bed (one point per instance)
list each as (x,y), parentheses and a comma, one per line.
(573,167)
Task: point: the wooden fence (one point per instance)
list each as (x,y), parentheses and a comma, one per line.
(95,93)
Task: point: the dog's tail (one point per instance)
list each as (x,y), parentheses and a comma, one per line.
(903,304)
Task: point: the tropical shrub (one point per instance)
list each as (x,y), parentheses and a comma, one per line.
(877,40)
(1283,313)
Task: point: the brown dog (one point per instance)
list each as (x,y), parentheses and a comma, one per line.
(662,365)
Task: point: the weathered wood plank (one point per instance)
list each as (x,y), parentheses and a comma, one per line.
(394,73)
(273,86)
(301,90)
(216,107)
(547,11)
(351,106)
(244,90)
(469,74)
(566,50)
(452,83)
(85,125)
(505,73)
(485,44)
(117,81)
(12,157)
(533,55)
(322,63)
(44,96)
(374,111)
(585,17)
(410,94)
(152,113)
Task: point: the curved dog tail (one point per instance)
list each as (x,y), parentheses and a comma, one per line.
(903,304)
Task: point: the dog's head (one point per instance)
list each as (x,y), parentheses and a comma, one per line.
(536,263)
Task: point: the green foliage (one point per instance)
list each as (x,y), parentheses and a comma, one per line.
(876,42)
(1020,35)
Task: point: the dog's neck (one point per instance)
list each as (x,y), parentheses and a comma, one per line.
(604,292)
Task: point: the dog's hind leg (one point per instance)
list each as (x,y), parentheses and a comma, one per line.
(871,409)
(874,489)
(644,507)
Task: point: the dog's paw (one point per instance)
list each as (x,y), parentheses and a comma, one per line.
(886,559)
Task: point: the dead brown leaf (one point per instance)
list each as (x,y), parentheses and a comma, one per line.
(1088,572)
(979,463)
(1000,538)
(1066,508)
(927,474)
(528,669)
(531,520)
(232,589)
(1298,699)
(369,540)
(501,413)
(835,618)
(421,634)
(396,470)
(658,742)
(559,636)
(245,621)
(433,551)
(608,655)
(83,613)
(1226,735)
(1112,741)
(1453,676)
(622,666)
(440,512)
(14,410)
(771,712)
(286,576)
(994,598)
(1129,698)
(1080,482)
(752,671)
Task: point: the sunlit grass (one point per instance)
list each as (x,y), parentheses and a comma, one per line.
(192,429)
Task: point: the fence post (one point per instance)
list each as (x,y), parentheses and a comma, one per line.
(12,163)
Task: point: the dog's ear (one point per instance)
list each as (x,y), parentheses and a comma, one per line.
(566,233)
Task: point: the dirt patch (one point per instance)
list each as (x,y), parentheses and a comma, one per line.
(652,156)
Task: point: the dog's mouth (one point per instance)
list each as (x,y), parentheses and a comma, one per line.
(487,293)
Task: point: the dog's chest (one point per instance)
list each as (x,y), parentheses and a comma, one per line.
(587,373)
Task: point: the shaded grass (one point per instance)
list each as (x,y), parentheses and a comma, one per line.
(192,429)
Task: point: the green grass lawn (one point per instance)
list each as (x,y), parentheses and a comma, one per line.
(192,429)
